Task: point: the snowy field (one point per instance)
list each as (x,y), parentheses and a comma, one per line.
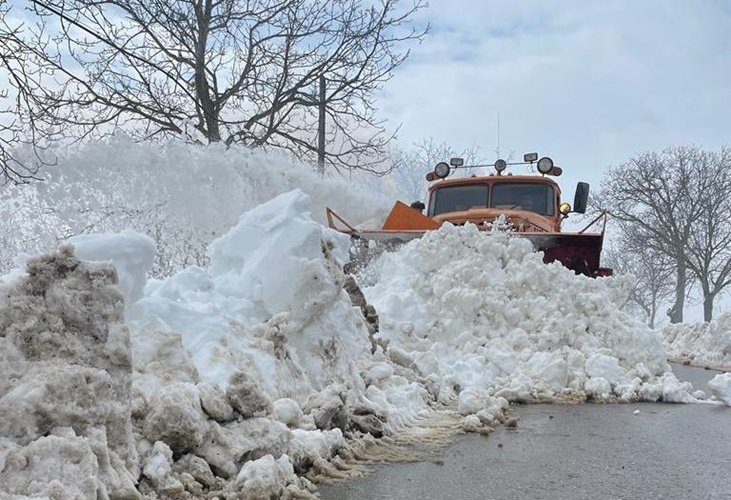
(258,374)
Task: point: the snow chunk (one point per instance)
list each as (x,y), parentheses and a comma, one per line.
(720,387)
(313,447)
(604,367)
(472,400)
(287,411)
(265,477)
(214,403)
(598,387)
(246,397)
(159,463)
(226,444)
(176,417)
(52,467)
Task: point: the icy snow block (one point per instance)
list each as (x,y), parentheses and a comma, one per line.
(197,468)
(227,446)
(131,253)
(287,411)
(269,255)
(214,403)
(52,467)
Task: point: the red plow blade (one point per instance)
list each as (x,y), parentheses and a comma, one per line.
(579,252)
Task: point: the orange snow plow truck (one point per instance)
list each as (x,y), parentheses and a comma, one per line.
(530,205)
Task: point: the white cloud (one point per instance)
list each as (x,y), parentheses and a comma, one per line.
(589,83)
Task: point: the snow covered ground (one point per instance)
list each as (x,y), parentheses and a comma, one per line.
(253,375)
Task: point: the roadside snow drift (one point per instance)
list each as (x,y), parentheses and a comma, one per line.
(482,313)
(702,344)
(238,379)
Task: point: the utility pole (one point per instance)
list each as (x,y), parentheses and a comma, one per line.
(321,130)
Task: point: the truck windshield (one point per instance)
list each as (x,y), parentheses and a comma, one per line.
(457,198)
(536,198)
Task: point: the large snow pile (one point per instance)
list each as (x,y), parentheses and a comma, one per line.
(702,344)
(259,355)
(259,368)
(482,317)
(243,372)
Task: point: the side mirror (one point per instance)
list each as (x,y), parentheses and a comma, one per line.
(581,198)
(418,205)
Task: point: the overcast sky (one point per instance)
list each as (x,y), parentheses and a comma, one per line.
(588,83)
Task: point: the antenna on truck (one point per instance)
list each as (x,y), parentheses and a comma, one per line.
(497,150)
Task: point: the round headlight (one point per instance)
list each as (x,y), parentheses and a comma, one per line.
(564,208)
(500,165)
(545,165)
(441,170)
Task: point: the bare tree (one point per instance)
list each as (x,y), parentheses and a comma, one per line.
(14,132)
(653,271)
(658,193)
(677,203)
(232,71)
(709,245)
(411,166)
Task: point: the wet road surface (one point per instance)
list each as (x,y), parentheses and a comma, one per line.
(587,451)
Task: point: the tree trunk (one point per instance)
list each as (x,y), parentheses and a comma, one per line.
(676,312)
(707,306)
(653,310)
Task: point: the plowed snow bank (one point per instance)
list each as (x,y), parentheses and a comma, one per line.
(482,311)
(257,369)
(702,344)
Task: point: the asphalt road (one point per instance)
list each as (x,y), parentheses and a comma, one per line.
(587,451)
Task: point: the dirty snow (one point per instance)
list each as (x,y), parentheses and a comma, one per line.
(65,421)
(238,378)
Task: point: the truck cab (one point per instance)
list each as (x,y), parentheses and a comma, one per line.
(531,206)
(533,203)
